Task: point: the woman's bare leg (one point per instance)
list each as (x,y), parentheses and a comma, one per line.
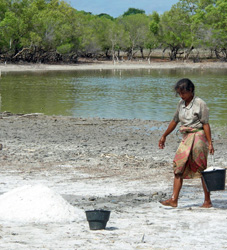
(177,184)
(207,201)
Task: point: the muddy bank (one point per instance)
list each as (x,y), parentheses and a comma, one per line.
(36,144)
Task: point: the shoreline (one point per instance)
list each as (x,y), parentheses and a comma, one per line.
(104,65)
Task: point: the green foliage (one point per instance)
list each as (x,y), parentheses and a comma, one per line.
(9,28)
(133,11)
(65,48)
(53,25)
(106,16)
(216,21)
(154,24)
(176,31)
(4,7)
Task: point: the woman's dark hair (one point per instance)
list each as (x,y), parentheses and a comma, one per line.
(184,85)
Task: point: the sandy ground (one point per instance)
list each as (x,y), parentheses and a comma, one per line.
(107,164)
(99,65)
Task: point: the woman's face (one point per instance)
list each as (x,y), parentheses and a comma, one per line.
(185,95)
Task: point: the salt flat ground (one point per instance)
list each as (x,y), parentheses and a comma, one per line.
(108,164)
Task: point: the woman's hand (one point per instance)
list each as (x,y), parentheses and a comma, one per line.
(207,131)
(170,128)
(161,142)
(211,149)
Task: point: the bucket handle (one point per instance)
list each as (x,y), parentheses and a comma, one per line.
(213,162)
(212,158)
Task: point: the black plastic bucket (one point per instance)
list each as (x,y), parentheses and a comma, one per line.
(214,179)
(97,219)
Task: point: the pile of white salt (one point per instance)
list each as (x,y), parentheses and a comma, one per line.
(36,204)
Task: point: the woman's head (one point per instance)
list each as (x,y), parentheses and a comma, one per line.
(184,85)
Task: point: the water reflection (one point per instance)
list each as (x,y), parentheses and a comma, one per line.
(144,94)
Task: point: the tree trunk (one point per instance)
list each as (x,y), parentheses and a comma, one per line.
(107,54)
(211,53)
(129,54)
(163,52)
(20,52)
(217,53)
(141,51)
(173,52)
(188,52)
(149,56)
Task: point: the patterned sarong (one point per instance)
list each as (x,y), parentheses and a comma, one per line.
(191,155)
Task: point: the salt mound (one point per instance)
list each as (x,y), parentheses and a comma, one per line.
(37,204)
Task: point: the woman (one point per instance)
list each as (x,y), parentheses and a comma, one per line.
(191,156)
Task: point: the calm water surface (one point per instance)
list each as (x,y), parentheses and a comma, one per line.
(143,94)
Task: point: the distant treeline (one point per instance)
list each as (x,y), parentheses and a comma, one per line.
(52,31)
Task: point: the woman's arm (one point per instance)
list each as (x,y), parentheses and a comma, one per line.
(207,130)
(170,128)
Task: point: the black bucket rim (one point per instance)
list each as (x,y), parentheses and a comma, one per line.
(214,169)
(97,210)
(98,213)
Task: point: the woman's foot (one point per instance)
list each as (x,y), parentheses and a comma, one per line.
(207,204)
(169,202)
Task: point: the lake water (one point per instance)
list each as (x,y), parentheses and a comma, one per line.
(144,94)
